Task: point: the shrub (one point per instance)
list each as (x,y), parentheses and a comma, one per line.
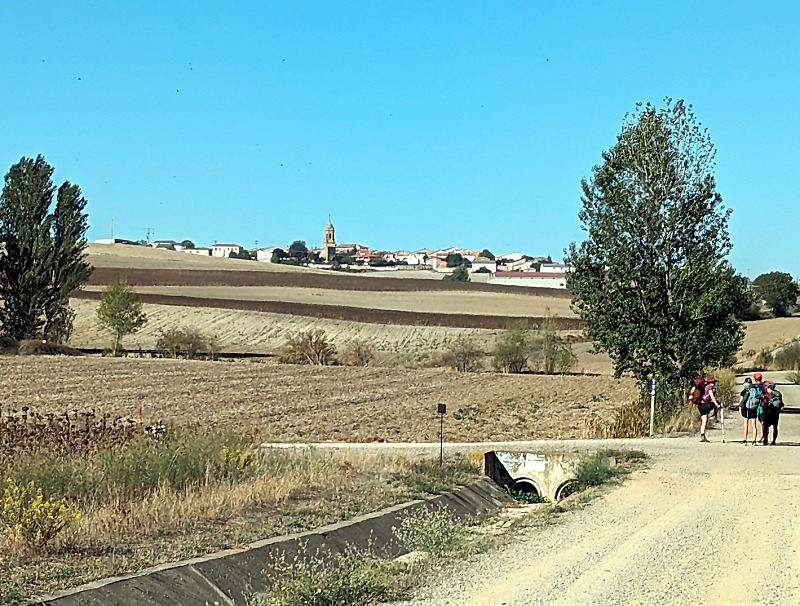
(433,531)
(37,520)
(764,359)
(186,342)
(460,274)
(513,349)
(727,390)
(794,377)
(788,357)
(358,353)
(462,355)
(310,347)
(39,347)
(596,469)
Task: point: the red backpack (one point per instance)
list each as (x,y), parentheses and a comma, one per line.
(698,390)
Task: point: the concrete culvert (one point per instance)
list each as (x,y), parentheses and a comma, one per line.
(567,488)
(525,486)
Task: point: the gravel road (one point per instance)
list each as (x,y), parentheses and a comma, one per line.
(705,524)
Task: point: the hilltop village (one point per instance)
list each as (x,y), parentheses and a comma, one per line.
(513,268)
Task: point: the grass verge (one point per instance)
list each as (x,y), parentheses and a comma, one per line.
(142,499)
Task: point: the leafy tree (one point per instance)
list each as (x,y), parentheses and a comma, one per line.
(460,274)
(43,259)
(486,254)
(241,254)
(120,311)
(278,255)
(455,259)
(298,250)
(778,290)
(188,244)
(650,279)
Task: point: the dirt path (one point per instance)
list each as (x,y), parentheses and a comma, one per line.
(706,524)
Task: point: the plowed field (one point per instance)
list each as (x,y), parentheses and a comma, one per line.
(315,403)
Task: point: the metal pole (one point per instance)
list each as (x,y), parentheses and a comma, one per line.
(441,440)
(652,406)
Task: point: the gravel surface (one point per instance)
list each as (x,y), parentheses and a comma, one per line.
(706,524)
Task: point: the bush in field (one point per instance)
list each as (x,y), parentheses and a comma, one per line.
(462,355)
(513,349)
(550,352)
(310,347)
(358,353)
(186,342)
(788,357)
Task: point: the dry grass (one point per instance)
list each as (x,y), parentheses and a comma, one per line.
(292,492)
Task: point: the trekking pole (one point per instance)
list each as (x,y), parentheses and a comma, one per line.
(722,420)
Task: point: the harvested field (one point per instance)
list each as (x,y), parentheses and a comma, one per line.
(129,256)
(458,302)
(769,334)
(292,403)
(261,332)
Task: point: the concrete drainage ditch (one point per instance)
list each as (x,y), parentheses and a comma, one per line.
(231,576)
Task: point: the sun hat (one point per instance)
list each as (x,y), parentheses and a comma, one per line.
(711,380)
(757,376)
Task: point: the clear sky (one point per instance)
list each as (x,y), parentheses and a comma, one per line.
(412,123)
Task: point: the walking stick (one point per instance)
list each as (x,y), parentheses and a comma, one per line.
(722,421)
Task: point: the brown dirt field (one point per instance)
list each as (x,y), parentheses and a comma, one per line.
(355,314)
(292,403)
(304,278)
(474,303)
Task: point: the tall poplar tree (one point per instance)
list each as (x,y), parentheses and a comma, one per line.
(42,257)
(651,279)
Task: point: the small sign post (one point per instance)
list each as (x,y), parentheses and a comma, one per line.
(441,409)
(652,406)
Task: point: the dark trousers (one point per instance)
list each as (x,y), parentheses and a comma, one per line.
(771,420)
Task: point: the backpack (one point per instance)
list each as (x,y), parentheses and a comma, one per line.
(697,394)
(776,400)
(754,395)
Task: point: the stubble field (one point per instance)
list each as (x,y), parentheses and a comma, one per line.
(298,403)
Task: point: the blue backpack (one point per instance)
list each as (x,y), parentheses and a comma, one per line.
(754,395)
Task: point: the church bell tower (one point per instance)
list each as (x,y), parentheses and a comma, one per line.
(328,242)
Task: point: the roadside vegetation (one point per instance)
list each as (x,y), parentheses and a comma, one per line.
(84,495)
(359,578)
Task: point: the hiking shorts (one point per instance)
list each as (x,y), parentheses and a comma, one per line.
(747,413)
(771,419)
(705,409)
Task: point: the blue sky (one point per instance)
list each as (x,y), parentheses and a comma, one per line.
(411,123)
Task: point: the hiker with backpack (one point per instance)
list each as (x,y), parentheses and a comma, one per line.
(748,410)
(773,405)
(704,396)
